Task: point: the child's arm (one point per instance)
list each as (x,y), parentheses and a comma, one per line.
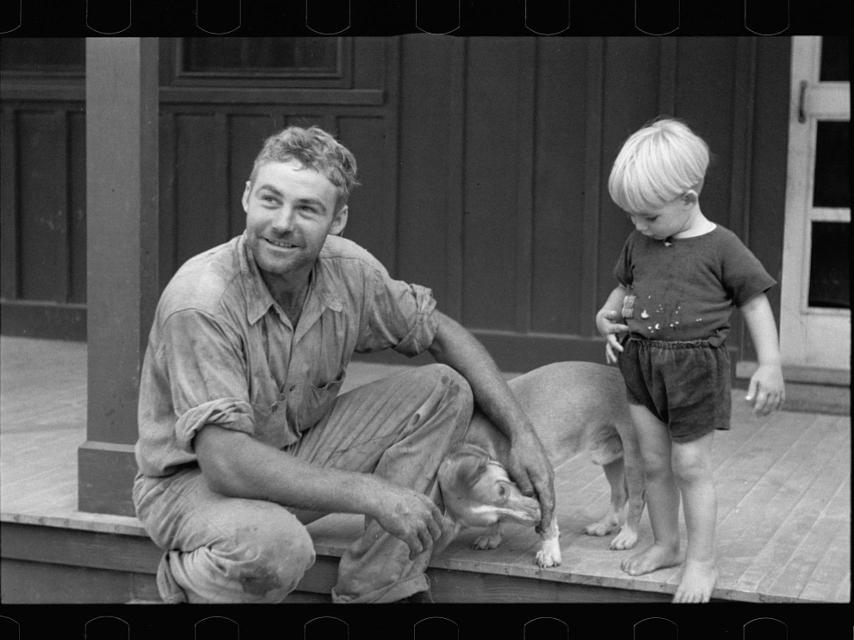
(766,390)
(608,325)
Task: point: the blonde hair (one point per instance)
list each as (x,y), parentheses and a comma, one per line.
(657,164)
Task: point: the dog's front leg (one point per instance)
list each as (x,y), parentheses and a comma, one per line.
(490,539)
(549,553)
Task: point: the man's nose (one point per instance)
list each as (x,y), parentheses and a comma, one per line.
(284,219)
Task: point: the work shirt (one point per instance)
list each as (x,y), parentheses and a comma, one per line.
(222,352)
(684,289)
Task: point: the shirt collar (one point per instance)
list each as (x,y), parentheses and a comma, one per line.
(260,300)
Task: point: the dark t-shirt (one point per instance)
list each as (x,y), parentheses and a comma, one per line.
(685,288)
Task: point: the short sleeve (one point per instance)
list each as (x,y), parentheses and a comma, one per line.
(206,375)
(742,273)
(399,316)
(623,268)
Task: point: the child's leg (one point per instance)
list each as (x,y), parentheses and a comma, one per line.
(693,472)
(662,496)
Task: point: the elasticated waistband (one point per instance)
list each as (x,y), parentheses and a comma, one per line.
(714,341)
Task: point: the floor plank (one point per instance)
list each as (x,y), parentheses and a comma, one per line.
(800,572)
(773,497)
(809,495)
(783,486)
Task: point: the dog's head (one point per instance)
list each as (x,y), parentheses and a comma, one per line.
(478,492)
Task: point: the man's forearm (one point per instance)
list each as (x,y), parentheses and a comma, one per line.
(237,465)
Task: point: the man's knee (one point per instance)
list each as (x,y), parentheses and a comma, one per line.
(279,554)
(456,387)
(262,559)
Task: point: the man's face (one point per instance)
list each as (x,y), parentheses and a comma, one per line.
(290,209)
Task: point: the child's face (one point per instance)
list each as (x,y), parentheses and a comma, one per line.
(671,220)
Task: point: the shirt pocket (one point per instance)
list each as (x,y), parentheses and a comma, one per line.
(317,400)
(271,423)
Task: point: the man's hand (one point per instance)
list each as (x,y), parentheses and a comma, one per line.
(766,392)
(527,465)
(606,323)
(410,516)
(530,469)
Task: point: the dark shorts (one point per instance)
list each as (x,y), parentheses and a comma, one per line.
(686,385)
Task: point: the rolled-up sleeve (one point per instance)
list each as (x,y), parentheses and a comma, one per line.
(230,413)
(207,376)
(399,315)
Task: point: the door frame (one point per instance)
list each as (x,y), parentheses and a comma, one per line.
(810,337)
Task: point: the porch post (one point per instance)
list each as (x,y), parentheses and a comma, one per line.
(121,255)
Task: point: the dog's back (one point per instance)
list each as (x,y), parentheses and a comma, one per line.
(574,406)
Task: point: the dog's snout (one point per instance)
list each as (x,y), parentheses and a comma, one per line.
(521,508)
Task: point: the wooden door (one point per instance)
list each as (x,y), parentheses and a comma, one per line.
(816,308)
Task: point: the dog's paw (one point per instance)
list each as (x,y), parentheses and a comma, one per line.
(602,527)
(626,539)
(487,541)
(549,554)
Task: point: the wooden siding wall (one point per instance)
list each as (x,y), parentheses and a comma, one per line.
(210,136)
(484,164)
(43,205)
(506,146)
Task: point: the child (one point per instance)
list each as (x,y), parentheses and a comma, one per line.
(680,274)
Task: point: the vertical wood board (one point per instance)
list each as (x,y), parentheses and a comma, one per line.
(43,205)
(490,233)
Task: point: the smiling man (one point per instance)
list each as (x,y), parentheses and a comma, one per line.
(243,436)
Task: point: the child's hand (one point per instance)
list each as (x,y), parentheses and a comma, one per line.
(766,391)
(609,328)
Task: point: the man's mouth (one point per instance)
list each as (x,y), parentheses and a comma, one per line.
(282,244)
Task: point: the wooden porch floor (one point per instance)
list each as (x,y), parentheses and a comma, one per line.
(783,498)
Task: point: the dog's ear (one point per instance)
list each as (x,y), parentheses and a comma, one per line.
(470,463)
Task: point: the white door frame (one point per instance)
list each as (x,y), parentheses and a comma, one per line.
(809,336)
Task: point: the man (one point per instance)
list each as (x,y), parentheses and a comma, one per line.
(243,436)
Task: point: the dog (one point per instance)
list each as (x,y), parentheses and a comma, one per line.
(575,407)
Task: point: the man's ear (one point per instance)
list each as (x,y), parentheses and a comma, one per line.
(245,199)
(339,221)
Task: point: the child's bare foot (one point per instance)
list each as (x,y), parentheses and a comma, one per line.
(652,558)
(698,581)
